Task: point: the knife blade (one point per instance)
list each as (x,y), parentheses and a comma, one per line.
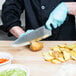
(36,35)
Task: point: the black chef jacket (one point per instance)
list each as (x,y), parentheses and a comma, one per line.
(37,13)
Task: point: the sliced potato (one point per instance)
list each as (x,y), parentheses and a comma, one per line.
(66,55)
(61,53)
(61,59)
(71,46)
(64,49)
(74,49)
(50,52)
(58,55)
(55,54)
(62,45)
(55,61)
(74,58)
(55,48)
(47,57)
(73,54)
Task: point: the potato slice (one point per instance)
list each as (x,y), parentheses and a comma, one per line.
(74,49)
(71,46)
(55,54)
(65,49)
(66,55)
(47,56)
(60,58)
(62,45)
(55,61)
(73,55)
(58,55)
(50,52)
(55,48)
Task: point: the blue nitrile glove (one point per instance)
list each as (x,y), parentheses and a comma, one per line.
(57,16)
(28,31)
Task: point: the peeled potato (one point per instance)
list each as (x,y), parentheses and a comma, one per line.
(47,56)
(71,46)
(62,45)
(66,55)
(61,59)
(55,61)
(74,49)
(55,48)
(64,49)
(58,55)
(50,52)
(73,55)
(55,54)
(61,53)
(36,46)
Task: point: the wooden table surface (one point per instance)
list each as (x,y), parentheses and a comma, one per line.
(33,60)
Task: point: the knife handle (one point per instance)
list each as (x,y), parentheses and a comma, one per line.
(55,31)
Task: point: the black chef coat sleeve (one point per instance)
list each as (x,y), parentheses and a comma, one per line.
(11,12)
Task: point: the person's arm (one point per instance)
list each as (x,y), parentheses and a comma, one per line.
(16,31)
(19,32)
(59,14)
(72,7)
(11,12)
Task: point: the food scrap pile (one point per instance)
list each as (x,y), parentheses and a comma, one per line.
(61,53)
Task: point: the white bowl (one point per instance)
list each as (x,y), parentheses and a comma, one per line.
(67,69)
(15,66)
(6,55)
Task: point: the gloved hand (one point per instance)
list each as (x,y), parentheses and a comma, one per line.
(28,31)
(57,16)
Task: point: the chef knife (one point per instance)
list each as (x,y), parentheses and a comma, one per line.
(36,35)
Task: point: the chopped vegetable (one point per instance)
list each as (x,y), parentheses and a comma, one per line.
(13,72)
(36,46)
(2,60)
(61,53)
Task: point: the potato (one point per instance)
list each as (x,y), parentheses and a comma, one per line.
(47,56)
(71,46)
(58,55)
(61,59)
(50,52)
(55,48)
(73,55)
(62,45)
(66,55)
(64,49)
(55,54)
(36,46)
(55,61)
(74,49)
(61,53)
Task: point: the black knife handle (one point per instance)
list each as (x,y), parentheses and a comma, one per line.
(55,31)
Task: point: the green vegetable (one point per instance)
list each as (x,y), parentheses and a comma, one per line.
(13,72)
